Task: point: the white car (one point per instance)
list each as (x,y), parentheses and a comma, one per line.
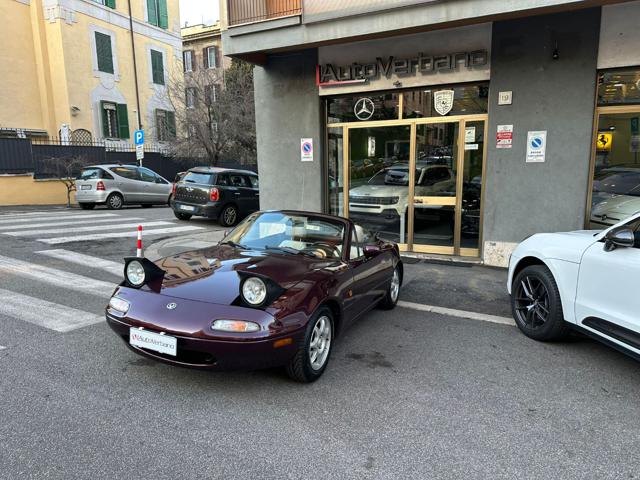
(586,280)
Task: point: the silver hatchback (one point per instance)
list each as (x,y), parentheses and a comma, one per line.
(118,185)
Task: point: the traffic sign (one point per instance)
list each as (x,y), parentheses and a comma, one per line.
(138,137)
(139,152)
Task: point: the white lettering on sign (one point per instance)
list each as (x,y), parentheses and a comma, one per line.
(504,136)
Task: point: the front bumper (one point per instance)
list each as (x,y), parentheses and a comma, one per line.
(210,209)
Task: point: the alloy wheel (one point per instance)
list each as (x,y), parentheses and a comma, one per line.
(115,202)
(230,216)
(532,302)
(395,285)
(320,344)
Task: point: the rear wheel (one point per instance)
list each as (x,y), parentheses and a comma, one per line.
(393,292)
(182,216)
(229,216)
(115,201)
(536,304)
(87,206)
(312,356)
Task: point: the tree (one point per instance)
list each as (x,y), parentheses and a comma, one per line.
(65,169)
(216,114)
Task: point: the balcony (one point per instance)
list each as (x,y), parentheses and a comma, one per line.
(242,12)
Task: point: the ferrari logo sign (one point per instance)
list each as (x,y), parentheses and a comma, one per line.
(443,101)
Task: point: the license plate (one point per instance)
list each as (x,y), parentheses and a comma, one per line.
(85,187)
(188,208)
(153,341)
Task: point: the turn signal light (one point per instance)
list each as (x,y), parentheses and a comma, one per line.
(215,195)
(283,342)
(100,185)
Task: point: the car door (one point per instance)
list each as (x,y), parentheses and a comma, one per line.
(156,189)
(128,182)
(254,193)
(608,285)
(240,191)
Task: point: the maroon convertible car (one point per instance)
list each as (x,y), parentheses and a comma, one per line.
(275,292)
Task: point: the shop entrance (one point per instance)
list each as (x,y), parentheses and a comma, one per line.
(418,182)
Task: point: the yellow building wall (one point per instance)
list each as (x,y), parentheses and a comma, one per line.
(24,190)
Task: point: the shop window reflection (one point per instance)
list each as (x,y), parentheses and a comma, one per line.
(335,178)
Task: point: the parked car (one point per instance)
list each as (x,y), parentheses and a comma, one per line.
(176,179)
(118,185)
(583,280)
(227,195)
(276,291)
(616,195)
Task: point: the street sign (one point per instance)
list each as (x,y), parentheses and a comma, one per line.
(306,149)
(139,152)
(536,146)
(138,137)
(504,136)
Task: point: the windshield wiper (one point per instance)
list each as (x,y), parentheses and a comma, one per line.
(234,244)
(290,250)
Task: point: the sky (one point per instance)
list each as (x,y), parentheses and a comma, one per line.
(199,11)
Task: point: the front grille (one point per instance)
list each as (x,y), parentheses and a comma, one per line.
(374,200)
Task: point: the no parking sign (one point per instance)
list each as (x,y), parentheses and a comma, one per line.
(536,146)
(306,149)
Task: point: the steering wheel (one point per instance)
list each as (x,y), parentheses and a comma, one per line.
(327,249)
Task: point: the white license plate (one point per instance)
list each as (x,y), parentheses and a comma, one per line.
(153,341)
(85,187)
(188,208)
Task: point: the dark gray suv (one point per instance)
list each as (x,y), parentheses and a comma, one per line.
(227,195)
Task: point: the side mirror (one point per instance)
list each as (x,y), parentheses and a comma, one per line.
(371,250)
(620,237)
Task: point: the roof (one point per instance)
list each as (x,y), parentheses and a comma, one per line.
(220,170)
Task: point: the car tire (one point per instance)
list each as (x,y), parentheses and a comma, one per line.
(536,305)
(146,205)
(182,216)
(228,216)
(87,206)
(393,292)
(320,330)
(115,201)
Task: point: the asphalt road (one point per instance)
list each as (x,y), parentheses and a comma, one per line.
(407,394)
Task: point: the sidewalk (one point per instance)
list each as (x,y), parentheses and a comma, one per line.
(459,286)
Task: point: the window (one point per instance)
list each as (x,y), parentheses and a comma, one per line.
(157,13)
(104,53)
(115,120)
(355,251)
(254,181)
(157,67)
(190,97)
(165,125)
(210,57)
(214,127)
(107,3)
(187,60)
(126,172)
(147,175)
(90,174)
(198,177)
(213,93)
(238,181)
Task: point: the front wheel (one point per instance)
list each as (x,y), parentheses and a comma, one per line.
(393,292)
(228,216)
(312,356)
(536,304)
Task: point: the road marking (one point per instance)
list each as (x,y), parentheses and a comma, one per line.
(59,278)
(67,216)
(2,348)
(91,228)
(45,314)
(103,236)
(65,222)
(86,260)
(483,317)
(14,213)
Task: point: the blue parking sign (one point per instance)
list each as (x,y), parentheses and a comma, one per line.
(138,137)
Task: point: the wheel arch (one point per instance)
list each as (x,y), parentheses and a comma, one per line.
(333,305)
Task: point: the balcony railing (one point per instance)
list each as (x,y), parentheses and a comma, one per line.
(252,11)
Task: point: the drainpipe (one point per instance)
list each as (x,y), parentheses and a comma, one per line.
(135,68)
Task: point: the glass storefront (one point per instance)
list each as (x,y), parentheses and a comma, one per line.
(615,191)
(413,175)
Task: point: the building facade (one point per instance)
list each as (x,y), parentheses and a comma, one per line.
(86,70)
(452,127)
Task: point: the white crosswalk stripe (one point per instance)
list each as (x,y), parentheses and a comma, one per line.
(28,226)
(68,216)
(58,278)
(43,313)
(92,228)
(117,268)
(14,213)
(104,236)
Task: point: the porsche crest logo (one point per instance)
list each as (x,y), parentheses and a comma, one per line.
(443,101)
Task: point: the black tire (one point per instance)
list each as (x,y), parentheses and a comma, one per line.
(87,206)
(391,298)
(146,205)
(300,367)
(115,201)
(182,216)
(536,306)
(229,216)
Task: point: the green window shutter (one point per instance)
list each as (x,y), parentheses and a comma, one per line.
(163,16)
(104,53)
(171,124)
(105,127)
(123,120)
(110,3)
(152,12)
(157,67)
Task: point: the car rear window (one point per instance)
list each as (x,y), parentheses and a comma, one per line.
(197,177)
(90,174)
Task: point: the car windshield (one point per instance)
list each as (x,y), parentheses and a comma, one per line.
(394,175)
(618,182)
(289,233)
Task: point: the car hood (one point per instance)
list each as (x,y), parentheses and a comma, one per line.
(213,274)
(617,207)
(568,246)
(379,191)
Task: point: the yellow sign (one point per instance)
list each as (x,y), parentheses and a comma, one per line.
(604,142)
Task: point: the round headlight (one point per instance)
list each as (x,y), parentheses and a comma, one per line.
(135,273)
(254,291)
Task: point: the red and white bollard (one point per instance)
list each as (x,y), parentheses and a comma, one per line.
(139,250)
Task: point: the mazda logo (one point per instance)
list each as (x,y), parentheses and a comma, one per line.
(171,306)
(364,108)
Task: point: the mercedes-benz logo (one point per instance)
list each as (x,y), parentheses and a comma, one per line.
(171,306)
(364,108)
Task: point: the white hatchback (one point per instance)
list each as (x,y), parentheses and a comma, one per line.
(586,280)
